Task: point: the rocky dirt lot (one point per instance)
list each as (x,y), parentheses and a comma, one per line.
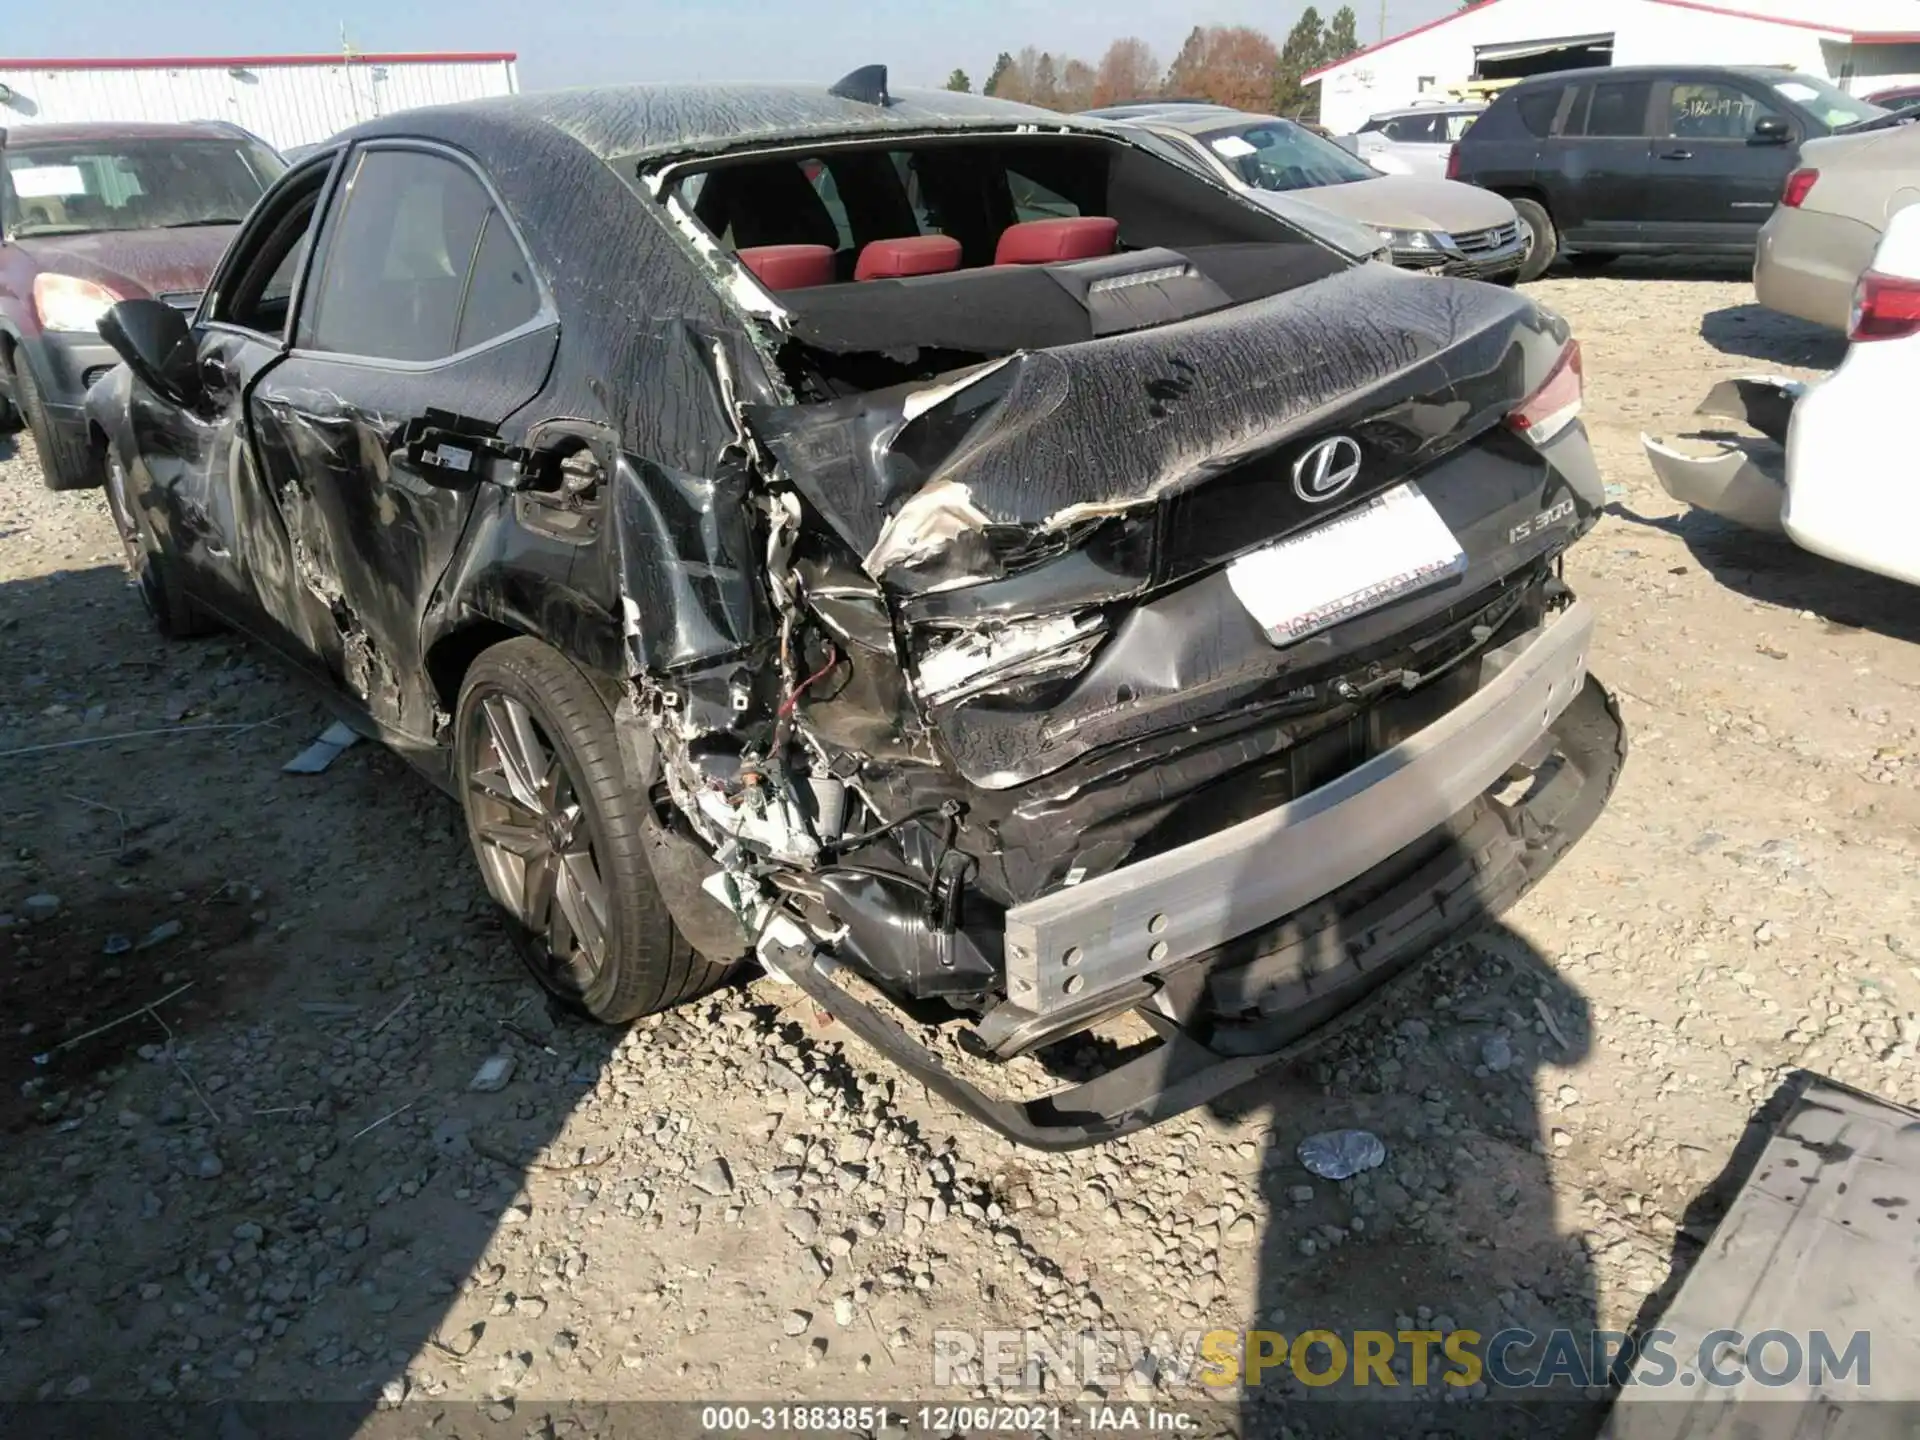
(277,1181)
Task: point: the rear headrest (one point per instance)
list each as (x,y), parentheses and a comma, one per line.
(1042,242)
(909,255)
(788,267)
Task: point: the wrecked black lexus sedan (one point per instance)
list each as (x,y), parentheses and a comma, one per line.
(945,549)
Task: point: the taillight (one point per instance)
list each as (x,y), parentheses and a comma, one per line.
(1798,184)
(1885,307)
(1453,162)
(1556,404)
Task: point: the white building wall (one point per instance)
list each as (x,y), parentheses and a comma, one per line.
(1644,34)
(285,104)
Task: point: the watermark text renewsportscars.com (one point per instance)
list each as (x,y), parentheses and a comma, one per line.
(1379,1362)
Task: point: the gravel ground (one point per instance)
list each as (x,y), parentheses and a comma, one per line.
(277,1182)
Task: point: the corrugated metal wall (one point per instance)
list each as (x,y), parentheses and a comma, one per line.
(286,104)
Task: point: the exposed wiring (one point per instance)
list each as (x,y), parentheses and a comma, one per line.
(793,698)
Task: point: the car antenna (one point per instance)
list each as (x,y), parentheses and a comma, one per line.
(867,85)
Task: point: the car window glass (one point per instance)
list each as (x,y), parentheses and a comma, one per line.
(258,289)
(1708,110)
(1536,110)
(1034,201)
(1458,125)
(397,259)
(501,296)
(1618,108)
(134,185)
(1281,156)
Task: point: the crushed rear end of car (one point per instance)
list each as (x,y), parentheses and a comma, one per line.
(1175,633)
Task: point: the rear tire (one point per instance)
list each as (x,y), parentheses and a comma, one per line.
(154,574)
(65,463)
(1546,239)
(560,835)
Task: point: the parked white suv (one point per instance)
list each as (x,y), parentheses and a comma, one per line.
(1413,140)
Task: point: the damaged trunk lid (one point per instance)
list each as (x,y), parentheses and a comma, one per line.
(1049,535)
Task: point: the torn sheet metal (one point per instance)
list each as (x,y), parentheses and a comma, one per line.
(1820,1244)
(1054,438)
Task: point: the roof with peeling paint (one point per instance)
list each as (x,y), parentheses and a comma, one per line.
(650,122)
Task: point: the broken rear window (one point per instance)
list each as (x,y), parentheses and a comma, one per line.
(941,252)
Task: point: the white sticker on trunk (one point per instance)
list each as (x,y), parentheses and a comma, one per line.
(1381,551)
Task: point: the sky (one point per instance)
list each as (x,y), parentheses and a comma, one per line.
(577,42)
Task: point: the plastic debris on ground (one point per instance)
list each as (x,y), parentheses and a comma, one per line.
(1339,1154)
(336,738)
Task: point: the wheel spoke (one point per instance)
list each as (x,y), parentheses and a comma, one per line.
(584,900)
(536,890)
(497,786)
(525,841)
(522,761)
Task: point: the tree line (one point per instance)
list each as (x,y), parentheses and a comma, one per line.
(1226,64)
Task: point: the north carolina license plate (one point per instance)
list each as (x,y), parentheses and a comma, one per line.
(1381,551)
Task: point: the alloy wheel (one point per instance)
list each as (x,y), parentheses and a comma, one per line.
(534,841)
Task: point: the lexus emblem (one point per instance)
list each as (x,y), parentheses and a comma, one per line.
(1327,469)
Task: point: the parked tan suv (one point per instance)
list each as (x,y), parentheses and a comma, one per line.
(1831,212)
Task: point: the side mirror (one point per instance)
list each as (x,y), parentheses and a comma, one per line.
(155,341)
(1772,130)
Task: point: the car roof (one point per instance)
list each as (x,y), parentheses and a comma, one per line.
(1648,72)
(80,132)
(648,122)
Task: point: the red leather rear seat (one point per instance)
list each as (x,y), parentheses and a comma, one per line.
(789,267)
(908,255)
(1043,242)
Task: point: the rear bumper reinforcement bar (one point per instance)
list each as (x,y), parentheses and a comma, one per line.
(1500,851)
(1074,944)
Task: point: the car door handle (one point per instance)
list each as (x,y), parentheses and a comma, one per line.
(1676,155)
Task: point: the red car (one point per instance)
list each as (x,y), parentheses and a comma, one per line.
(91,215)
(1900,99)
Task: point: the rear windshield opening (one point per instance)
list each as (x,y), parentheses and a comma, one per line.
(905,260)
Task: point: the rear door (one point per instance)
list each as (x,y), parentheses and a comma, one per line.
(1603,163)
(1715,182)
(423,329)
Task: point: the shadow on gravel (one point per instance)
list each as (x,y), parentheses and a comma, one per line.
(1717,269)
(1775,571)
(1761,334)
(256,1206)
(1457,1230)
(1707,1209)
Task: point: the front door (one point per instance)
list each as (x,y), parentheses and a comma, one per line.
(1717,182)
(422,330)
(198,490)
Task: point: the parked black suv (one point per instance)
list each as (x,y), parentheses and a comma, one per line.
(1674,159)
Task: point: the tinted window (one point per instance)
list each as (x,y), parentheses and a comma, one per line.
(398,257)
(1708,110)
(1536,109)
(1417,130)
(1458,125)
(1618,107)
(1034,201)
(501,296)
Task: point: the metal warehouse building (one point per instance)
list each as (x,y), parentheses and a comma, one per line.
(1860,45)
(287,100)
